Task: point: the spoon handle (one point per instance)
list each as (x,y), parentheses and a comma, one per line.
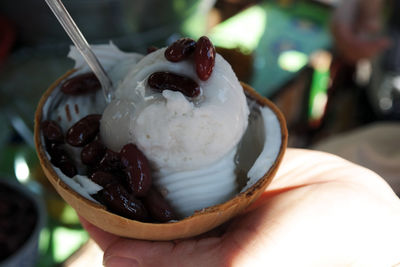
(82,45)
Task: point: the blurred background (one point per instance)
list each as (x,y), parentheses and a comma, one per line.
(289,51)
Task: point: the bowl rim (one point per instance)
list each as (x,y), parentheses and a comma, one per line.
(80,203)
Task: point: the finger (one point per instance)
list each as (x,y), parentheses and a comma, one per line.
(301,167)
(267,195)
(126,252)
(102,238)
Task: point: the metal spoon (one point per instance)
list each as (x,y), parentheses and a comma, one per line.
(82,45)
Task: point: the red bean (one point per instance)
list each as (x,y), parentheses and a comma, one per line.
(52,131)
(204,58)
(66,166)
(158,207)
(59,157)
(103,178)
(123,176)
(161,81)
(81,84)
(84,131)
(110,162)
(93,152)
(56,151)
(180,50)
(117,199)
(137,170)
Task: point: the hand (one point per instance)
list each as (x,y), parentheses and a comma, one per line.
(320,210)
(356,28)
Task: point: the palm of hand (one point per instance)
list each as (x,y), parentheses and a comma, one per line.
(319,210)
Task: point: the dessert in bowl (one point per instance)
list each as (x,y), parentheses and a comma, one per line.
(184,146)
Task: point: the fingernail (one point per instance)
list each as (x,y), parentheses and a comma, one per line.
(121,262)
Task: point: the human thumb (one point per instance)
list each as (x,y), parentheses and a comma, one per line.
(127,252)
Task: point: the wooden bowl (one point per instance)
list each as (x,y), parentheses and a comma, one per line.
(200,222)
